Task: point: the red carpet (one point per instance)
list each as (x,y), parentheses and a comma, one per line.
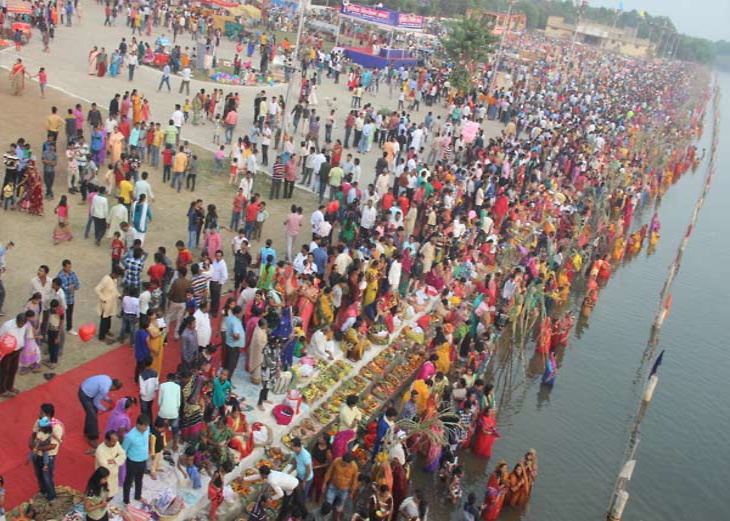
(73,467)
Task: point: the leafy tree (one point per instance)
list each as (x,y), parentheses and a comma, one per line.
(466,44)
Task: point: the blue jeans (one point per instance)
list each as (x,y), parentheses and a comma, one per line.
(177,178)
(228,134)
(334,494)
(194,475)
(87,230)
(154,155)
(235,221)
(249,228)
(45,477)
(165,81)
(192,239)
(129,325)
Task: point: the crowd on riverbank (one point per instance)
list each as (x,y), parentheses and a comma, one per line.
(489,235)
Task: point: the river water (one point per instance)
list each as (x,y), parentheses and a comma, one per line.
(580,429)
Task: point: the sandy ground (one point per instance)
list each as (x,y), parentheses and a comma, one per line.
(68,76)
(32,235)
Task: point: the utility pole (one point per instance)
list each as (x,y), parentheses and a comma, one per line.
(498,59)
(583,5)
(303,5)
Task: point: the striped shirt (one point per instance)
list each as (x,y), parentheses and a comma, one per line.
(278,173)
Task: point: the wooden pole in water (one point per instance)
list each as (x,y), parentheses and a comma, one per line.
(620,495)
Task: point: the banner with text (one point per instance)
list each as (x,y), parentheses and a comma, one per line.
(383,16)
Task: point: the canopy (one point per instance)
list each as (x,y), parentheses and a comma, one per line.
(19,7)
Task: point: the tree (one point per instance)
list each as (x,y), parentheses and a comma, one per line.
(466,44)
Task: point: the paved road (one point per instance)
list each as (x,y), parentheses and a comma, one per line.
(67,68)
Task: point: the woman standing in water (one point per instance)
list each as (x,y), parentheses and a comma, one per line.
(486,434)
(496,493)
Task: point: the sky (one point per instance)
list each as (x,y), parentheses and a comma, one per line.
(702,18)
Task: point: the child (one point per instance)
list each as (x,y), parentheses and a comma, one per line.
(8,195)
(221,391)
(42,81)
(217,130)
(148,384)
(234,171)
(53,332)
(186,464)
(43,441)
(109,180)
(155,296)
(117,247)
(167,163)
(219,156)
(215,493)
(73,168)
(62,232)
(190,303)
(192,173)
(455,485)
(157,445)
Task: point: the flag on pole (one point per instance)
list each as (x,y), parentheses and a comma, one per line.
(657,363)
(621,6)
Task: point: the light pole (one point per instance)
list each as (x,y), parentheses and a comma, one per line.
(303,4)
(583,5)
(498,59)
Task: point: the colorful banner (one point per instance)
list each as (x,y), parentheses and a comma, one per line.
(383,16)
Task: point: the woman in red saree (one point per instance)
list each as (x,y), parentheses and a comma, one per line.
(242,440)
(496,493)
(519,487)
(17,77)
(308,294)
(101,63)
(486,434)
(33,198)
(321,460)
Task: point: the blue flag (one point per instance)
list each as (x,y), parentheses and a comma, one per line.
(657,363)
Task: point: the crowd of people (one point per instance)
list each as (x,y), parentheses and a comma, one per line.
(488,237)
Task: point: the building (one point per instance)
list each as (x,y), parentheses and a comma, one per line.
(497,22)
(618,39)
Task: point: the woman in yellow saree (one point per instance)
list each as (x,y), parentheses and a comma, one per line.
(325,315)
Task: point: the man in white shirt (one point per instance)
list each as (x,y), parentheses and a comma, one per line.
(319,159)
(41,283)
(367,219)
(186,74)
(178,118)
(203,329)
(17,328)
(343,260)
(394,274)
(298,263)
(246,185)
(317,217)
(320,347)
(284,486)
(168,398)
(100,214)
(217,280)
(143,187)
(131,60)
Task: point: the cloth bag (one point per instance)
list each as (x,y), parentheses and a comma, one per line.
(283,414)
